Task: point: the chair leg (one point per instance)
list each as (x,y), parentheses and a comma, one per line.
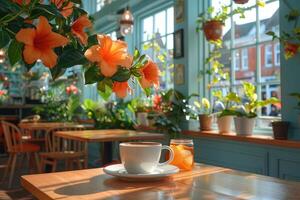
(36,156)
(8,166)
(12,170)
(42,165)
(79,164)
(54,166)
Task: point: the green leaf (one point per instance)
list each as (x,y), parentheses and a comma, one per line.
(92,40)
(14,52)
(105,88)
(122,75)
(48,11)
(70,58)
(92,75)
(4,38)
(136,54)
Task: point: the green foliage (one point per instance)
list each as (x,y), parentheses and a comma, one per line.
(110,116)
(228,102)
(251,103)
(175,109)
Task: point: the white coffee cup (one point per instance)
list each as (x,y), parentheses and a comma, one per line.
(142,157)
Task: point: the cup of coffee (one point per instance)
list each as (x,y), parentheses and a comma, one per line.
(142,157)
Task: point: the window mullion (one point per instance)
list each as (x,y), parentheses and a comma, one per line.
(258,58)
(232,52)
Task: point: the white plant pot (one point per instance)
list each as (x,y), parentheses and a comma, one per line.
(224,124)
(142,118)
(244,125)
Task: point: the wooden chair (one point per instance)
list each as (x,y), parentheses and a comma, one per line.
(59,149)
(16,146)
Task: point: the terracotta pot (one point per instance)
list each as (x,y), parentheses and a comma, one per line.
(224,124)
(205,122)
(280,130)
(240,1)
(213,30)
(244,125)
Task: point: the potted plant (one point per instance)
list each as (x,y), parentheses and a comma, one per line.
(212,24)
(280,129)
(246,113)
(226,105)
(141,109)
(204,114)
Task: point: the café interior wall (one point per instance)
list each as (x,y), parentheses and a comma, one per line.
(194,55)
(290,73)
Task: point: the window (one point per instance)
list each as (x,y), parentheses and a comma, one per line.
(157,41)
(100,4)
(237,61)
(277,54)
(268,55)
(250,51)
(245,59)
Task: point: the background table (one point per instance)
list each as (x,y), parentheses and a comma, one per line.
(107,137)
(46,126)
(203,182)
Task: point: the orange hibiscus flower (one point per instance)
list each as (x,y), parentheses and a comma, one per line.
(149,75)
(121,89)
(21,2)
(78,28)
(109,55)
(67,10)
(39,43)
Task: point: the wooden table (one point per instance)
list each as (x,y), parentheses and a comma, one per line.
(203,182)
(107,137)
(45,126)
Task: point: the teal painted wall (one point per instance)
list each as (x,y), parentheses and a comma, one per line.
(290,81)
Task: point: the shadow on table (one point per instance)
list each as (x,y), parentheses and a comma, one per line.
(107,184)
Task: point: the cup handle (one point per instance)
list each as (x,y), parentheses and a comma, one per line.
(171,154)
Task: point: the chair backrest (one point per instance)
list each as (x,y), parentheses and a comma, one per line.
(58,144)
(12,135)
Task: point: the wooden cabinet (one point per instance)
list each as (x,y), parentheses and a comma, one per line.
(268,160)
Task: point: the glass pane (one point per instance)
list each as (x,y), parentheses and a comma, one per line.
(269,20)
(170,42)
(245,28)
(148,28)
(170,20)
(271,90)
(245,68)
(270,61)
(160,23)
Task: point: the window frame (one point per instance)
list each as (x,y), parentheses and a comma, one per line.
(244,65)
(277,51)
(152,13)
(233,83)
(268,52)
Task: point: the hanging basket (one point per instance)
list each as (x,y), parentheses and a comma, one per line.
(240,1)
(213,30)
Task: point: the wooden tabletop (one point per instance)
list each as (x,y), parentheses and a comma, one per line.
(45,126)
(203,182)
(108,135)
(257,139)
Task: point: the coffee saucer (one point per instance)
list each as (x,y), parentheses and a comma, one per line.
(160,172)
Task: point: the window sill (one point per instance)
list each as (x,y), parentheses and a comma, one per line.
(256,139)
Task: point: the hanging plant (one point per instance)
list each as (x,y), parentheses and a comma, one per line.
(240,1)
(56,33)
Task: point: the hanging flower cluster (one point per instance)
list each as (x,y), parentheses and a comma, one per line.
(56,33)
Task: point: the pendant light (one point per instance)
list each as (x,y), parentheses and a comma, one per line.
(126,23)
